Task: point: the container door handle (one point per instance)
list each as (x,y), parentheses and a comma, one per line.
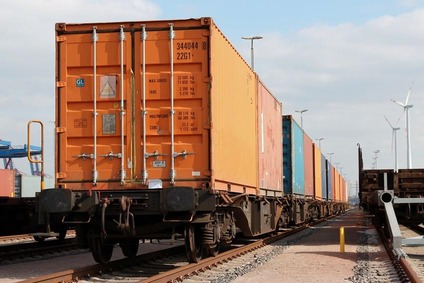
(84,156)
(183,153)
(155,155)
(111,155)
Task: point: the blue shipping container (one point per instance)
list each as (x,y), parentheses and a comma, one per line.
(293,160)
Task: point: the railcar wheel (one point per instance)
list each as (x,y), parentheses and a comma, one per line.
(101,251)
(193,243)
(129,247)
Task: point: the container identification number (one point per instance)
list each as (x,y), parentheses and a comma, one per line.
(185,49)
(187,45)
(183,55)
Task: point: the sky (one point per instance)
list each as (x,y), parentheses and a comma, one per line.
(343,61)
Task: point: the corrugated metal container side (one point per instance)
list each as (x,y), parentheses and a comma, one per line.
(308,156)
(270,133)
(344,190)
(233,115)
(324,177)
(330,181)
(7,183)
(317,173)
(336,192)
(293,161)
(183,82)
(28,186)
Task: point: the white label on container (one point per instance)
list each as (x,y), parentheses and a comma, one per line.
(195,174)
(108,86)
(159,164)
(155,184)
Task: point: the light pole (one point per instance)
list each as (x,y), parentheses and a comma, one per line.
(319,142)
(301,117)
(252,56)
(330,154)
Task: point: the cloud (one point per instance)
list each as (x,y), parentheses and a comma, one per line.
(345,74)
(27,58)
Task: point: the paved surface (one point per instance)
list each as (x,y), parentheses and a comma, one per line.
(317,257)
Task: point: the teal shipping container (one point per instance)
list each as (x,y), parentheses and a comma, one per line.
(293,157)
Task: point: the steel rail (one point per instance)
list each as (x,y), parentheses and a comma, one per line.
(183,272)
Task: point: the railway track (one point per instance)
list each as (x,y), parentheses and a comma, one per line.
(24,247)
(411,267)
(7,240)
(25,251)
(171,265)
(414,262)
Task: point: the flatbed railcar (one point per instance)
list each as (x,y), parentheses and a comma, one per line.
(164,131)
(18,201)
(19,208)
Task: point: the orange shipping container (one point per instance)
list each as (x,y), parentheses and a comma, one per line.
(270,130)
(317,172)
(7,183)
(308,155)
(345,190)
(155,104)
(337,185)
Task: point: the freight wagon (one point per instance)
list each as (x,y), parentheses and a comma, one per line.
(18,206)
(403,184)
(18,202)
(308,177)
(163,131)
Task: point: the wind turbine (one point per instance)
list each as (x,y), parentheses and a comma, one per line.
(406,107)
(394,137)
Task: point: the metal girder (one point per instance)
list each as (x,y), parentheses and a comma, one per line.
(19,152)
(397,239)
(393,225)
(407,200)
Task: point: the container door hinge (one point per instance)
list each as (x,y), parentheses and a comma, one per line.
(60,175)
(60,130)
(60,84)
(60,38)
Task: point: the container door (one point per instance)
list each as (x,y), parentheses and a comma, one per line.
(93,91)
(172,137)
(132,105)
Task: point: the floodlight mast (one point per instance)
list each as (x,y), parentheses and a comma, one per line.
(301,116)
(252,53)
